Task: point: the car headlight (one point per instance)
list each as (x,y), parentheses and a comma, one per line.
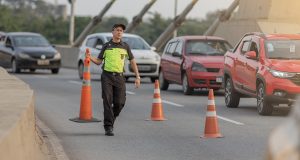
(157,57)
(57,56)
(198,67)
(24,55)
(280,74)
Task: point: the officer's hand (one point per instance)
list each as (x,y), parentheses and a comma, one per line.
(137,82)
(88,55)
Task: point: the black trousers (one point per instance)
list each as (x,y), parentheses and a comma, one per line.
(113,95)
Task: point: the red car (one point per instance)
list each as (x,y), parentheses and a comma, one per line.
(194,62)
(263,66)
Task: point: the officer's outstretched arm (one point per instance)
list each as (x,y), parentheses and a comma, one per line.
(96,60)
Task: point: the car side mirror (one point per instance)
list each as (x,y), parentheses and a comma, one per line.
(251,55)
(99,46)
(9,46)
(176,54)
(153,48)
(54,46)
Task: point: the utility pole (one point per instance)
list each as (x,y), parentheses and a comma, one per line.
(175,14)
(138,18)
(97,19)
(223,17)
(72,21)
(169,31)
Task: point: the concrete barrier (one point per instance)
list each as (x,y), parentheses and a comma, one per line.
(19,139)
(68,56)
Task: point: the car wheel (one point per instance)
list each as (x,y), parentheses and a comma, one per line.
(163,83)
(15,68)
(32,70)
(232,98)
(263,107)
(80,70)
(153,79)
(187,90)
(55,70)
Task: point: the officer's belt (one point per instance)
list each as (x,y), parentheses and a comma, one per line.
(113,73)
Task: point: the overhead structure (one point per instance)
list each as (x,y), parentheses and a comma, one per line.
(268,16)
(136,20)
(224,16)
(97,19)
(167,34)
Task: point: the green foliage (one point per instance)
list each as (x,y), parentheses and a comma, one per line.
(38,16)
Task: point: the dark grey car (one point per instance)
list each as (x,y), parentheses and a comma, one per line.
(24,50)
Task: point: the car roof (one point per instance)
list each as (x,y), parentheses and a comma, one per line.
(282,36)
(274,35)
(23,34)
(199,37)
(109,34)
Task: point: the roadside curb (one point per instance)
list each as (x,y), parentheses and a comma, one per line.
(56,150)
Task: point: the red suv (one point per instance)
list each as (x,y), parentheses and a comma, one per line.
(194,62)
(264,66)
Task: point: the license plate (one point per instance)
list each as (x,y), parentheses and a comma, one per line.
(144,68)
(219,79)
(43,62)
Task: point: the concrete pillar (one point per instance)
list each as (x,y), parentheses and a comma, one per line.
(268,16)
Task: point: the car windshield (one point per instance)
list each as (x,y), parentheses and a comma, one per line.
(207,47)
(135,43)
(283,49)
(30,41)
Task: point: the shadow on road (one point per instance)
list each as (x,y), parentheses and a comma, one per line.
(83,134)
(278,111)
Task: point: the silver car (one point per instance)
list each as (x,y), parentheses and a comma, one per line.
(146,58)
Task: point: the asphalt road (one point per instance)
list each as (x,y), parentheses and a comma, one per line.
(58,99)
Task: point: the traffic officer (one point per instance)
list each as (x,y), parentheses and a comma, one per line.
(113,55)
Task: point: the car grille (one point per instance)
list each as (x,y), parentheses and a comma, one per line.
(296,79)
(214,82)
(145,68)
(203,81)
(214,70)
(39,56)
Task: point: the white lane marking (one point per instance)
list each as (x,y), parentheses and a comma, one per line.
(172,103)
(75,82)
(131,93)
(39,76)
(231,121)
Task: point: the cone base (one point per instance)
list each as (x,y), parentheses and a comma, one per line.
(78,120)
(212,136)
(156,119)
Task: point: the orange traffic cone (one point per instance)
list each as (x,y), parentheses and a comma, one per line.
(157,110)
(85,115)
(211,122)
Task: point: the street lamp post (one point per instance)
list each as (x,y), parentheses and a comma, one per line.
(72,21)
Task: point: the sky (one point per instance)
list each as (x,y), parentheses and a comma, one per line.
(130,8)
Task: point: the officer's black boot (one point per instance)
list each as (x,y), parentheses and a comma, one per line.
(109,131)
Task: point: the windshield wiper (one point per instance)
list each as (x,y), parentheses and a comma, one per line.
(200,53)
(215,53)
(283,58)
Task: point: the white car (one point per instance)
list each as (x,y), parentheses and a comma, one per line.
(147,59)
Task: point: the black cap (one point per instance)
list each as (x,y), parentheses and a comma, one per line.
(119,25)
